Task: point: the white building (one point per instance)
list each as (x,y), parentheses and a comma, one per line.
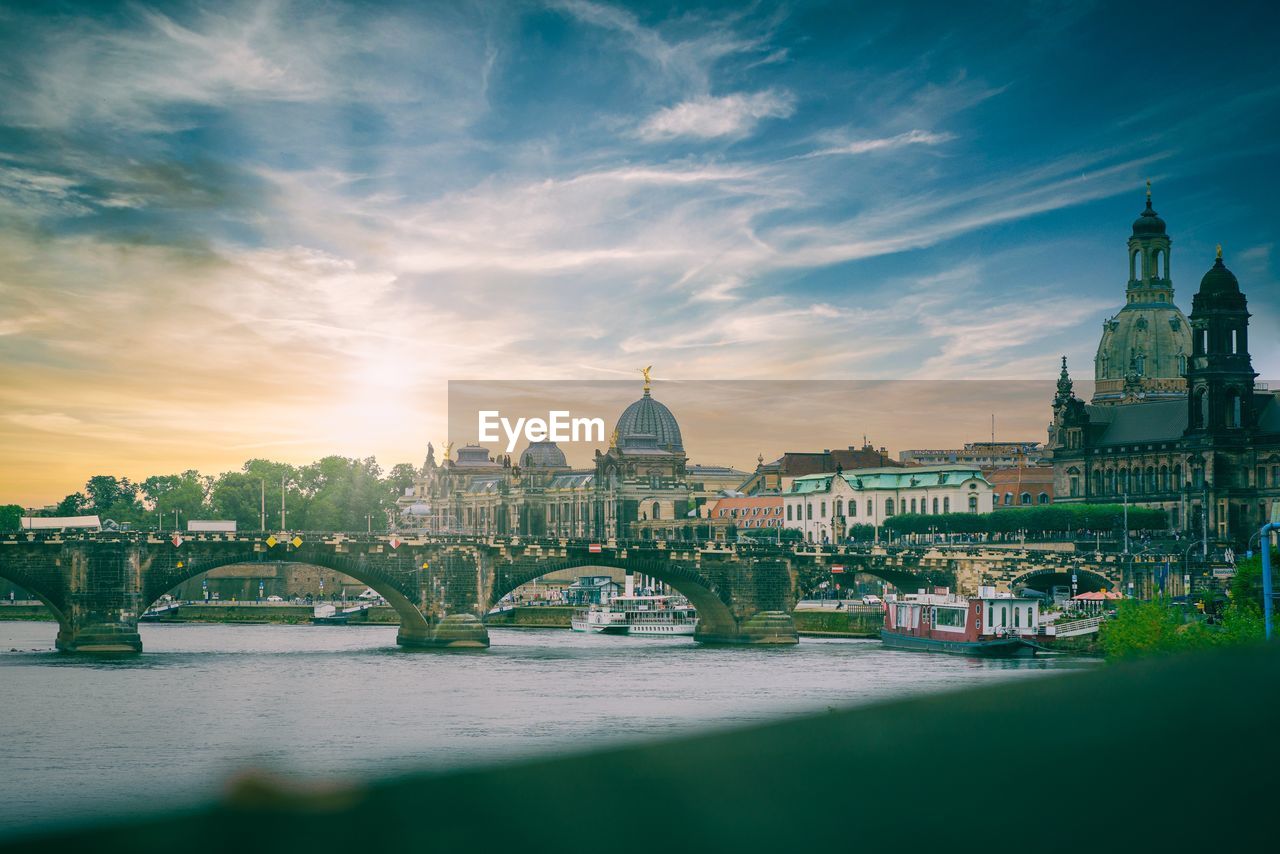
(824,506)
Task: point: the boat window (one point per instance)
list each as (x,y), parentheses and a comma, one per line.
(991,615)
(1004,616)
(953,617)
(1017,618)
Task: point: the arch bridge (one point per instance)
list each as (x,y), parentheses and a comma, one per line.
(98,584)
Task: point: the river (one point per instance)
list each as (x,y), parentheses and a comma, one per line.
(84,739)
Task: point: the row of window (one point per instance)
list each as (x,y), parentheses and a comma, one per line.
(890,507)
(1025,499)
(741,512)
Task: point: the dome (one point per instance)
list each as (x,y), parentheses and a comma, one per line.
(1219,280)
(1149,223)
(1143,350)
(543,455)
(647,423)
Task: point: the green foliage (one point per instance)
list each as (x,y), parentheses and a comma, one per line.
(73,505)
(1143,629)
(10,517)
(1046,518)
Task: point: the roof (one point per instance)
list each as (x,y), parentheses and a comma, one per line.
(800,463)
(1157,421)
(891,478)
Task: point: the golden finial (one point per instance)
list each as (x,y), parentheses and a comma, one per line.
(613,438)
(1148,189)
(448,449)
(647,380)
(1219,251)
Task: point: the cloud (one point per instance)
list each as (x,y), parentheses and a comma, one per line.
(709,118)
(863,146)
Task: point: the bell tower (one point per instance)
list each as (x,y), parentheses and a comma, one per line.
(1149,278)
(1220,375)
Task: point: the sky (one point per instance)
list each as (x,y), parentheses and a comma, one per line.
(273,229)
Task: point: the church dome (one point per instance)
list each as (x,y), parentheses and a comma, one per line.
(1143,353)
(1148,223)
(648,423)
(1219,280)
(543,455)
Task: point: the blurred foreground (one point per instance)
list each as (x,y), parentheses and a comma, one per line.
(1142,756)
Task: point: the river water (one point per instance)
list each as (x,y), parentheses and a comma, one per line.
(83,739)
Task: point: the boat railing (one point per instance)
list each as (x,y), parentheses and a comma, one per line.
(1074,627)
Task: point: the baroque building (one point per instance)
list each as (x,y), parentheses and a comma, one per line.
(641,486)
(1208,455)
(1144,348)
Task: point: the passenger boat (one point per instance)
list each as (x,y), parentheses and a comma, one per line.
(991,624)
(664,616)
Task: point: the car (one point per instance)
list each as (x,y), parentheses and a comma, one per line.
(870,599)
(275,598)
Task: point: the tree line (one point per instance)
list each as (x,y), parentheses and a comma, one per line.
(331,494)
(1045,519)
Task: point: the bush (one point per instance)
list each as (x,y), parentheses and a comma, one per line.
(1049,518)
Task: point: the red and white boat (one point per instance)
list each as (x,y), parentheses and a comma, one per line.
(991,624)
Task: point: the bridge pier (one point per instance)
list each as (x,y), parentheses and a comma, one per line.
(456,631)
(764,628)
(99,639)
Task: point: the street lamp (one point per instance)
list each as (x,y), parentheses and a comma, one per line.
(1266,571)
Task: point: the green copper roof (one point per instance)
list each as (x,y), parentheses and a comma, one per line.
(890,478)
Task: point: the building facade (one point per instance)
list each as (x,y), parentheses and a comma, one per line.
(823,507)
(640,486)
(1208,455)
(746,514)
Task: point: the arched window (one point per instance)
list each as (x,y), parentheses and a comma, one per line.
(1025,498)
(1097,483)
(1008,499)
(973,504)
(657,512)
(1163,482)
(1177,477)
(1234,410)
(853,508)
(913,505)
(839,511)
(788,512)
(946,505)
(808,510)
(935,506)
(822,506)
(888,507)
(871,509)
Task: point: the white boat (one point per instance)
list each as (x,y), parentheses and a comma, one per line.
(665,616)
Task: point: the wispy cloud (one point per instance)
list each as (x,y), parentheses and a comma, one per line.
(708,118)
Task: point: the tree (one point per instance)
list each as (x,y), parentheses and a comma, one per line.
(400,478)
(73,505)
(237,495)
(11,517)
(186,493)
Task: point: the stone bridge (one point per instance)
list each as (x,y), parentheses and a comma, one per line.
(97,584)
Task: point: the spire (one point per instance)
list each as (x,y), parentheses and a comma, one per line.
(1066,390)
(1148,194)
(1219,251)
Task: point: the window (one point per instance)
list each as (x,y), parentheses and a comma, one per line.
(657,513)
(913,505)
(973,504)
(1043,497)
(808,511)
(1025,499)
(888,507)
(950,617)
(788,512)
(822,509)
(1004,615)
(946,505)
(853,508)
(1204,341)
(839,511)
(935,506)
(871,510)
(991,615)
(1017,612)
(1075,488)
(1235,342)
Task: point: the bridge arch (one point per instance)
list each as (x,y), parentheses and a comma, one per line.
(1087,580)
(51,599)
(715,616)
(395,581)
